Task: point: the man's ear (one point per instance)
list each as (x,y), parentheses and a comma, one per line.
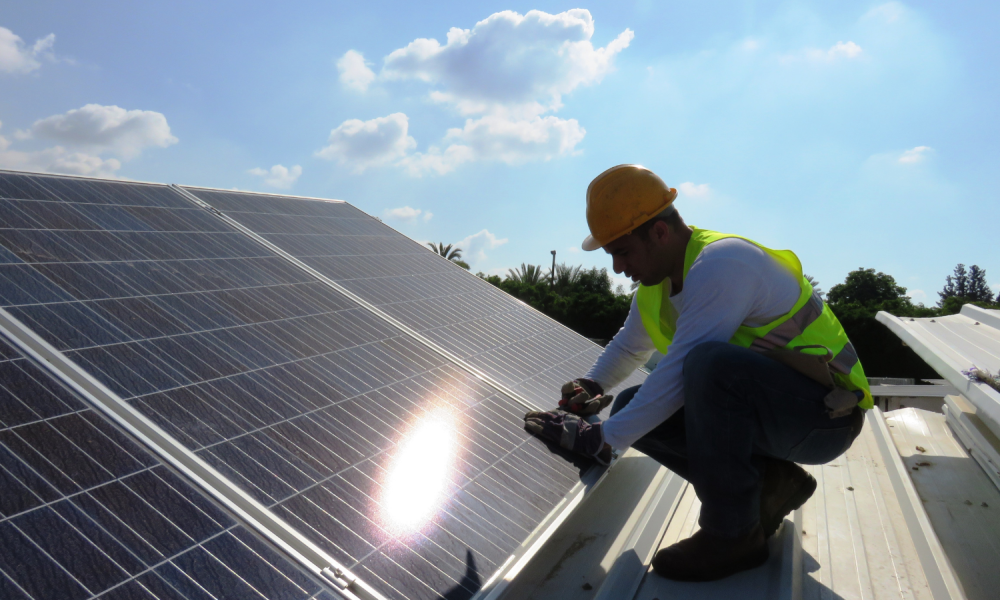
(661,232)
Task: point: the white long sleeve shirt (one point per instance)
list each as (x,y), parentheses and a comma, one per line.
(731,283)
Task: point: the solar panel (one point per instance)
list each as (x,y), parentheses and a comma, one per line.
(85,512)
(482,325)
(395,461)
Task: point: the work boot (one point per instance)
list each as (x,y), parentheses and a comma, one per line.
(786,487)
(705,557)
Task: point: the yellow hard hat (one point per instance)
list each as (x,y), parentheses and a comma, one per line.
(622,198)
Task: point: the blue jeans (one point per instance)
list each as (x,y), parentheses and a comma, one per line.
(740,406)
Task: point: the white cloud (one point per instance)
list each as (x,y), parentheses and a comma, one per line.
(56,160)
(508,71)
(841,50)
(889,12)
(434,160)
(85,134)
(474,246)
(693,190)
(496,137)
(915,155)
(278,176)
(918,296)
(363,144)
(844,49)
(573,249)
(354,73)
(407,213)
(15,57)
(113,129)
(509,58)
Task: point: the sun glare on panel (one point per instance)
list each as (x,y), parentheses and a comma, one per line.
(418,475)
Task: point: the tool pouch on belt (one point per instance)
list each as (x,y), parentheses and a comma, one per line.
(839,402)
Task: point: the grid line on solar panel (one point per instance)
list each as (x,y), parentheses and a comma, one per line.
(284,405)
(414,286)
(86,512)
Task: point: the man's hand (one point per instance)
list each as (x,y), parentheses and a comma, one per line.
(570,432)
(583,397)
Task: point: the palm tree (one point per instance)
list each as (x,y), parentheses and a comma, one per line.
(449,251)
(530,274)
(812,281)
(565,276)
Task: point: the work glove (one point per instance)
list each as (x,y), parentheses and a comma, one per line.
(570,432)
(583,397)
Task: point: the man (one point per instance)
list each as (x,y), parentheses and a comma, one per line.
(758,374)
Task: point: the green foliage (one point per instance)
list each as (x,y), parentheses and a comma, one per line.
(581,299)
(868,292)
(966,287)
(856,302)
(494,279)
(565,277)
(812,281)
(526,274)
(449,251)
(952,305)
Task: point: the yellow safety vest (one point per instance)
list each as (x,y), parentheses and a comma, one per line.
(809,323)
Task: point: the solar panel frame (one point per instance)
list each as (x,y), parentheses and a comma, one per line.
(108,522)
(134,282)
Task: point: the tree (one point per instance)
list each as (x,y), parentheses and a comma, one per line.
(581,299)
(965,287)
(812,281)
(450,252)
(955,285)
(565,276)
(493,279)
(869,292)
(979,290)
(527,274)
(855,302)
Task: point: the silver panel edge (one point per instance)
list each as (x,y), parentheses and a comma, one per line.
(197,472)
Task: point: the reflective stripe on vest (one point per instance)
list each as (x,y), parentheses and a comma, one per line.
(810,322)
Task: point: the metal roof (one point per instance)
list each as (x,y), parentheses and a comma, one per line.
(956,343)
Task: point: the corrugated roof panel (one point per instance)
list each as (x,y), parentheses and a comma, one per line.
(960,500)
(954,343)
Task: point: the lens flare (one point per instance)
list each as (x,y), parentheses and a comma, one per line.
(418,476)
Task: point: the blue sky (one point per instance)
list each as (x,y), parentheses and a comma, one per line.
(859,134)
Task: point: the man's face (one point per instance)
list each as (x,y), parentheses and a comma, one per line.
(642,260)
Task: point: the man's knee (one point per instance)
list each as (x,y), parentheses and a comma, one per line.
(623,399)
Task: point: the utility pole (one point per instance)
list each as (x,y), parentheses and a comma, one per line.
(552,274)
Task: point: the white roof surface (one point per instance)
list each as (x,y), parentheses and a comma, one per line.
(863,535)
(961,501)
(954,344)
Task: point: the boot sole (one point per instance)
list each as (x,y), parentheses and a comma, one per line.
(751,562)
(794,502)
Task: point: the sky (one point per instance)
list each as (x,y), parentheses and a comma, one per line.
(858,134)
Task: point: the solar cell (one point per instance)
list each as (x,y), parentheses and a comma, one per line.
(85,512)
(395,461)
(521,348)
